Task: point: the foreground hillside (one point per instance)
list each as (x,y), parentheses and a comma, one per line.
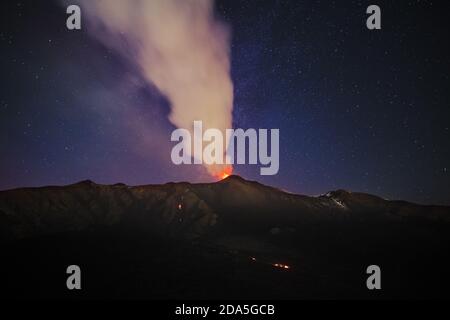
(231,239)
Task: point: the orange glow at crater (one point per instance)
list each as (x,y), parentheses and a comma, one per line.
(225,173)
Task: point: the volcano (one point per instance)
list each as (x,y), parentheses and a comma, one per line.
(233,239)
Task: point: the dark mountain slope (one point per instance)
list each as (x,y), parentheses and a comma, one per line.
(230,239)
(190,209)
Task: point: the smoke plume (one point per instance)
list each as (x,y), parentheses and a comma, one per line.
(179,47)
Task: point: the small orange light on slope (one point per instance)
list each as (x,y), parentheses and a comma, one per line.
(281,266)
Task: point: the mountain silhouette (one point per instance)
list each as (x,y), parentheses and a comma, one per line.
(230,239)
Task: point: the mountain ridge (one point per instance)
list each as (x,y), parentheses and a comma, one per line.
(232,179)
(191,209)
(228,239)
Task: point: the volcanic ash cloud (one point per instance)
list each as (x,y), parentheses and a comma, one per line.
(178,46)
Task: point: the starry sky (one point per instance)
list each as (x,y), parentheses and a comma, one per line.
(357,109)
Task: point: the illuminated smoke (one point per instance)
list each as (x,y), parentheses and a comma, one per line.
(178,46)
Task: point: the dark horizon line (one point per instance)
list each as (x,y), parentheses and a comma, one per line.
(233,176)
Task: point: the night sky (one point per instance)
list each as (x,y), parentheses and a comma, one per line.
(357,109)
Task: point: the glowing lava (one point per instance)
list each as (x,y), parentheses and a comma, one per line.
(225,173)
